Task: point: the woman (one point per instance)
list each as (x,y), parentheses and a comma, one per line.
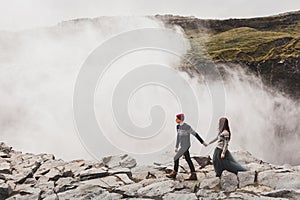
(183,139)
(222,158)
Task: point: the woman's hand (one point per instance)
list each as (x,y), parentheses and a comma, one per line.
(176,149)
(222,155)
(205,144)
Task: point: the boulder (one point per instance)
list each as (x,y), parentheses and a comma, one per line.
(210,183)
(83,192)
(159,166)
(209,171)
(124,178)
(64,184)
(129,190)
(127,162)
(277,179)
(51,197)
(47,188)
(92,173)
(96,182)
(46,157)
(112,181)
(27,192)
(142,172)
(54,174)
(210,194)
(146,182)
(75,167)
(284,193)
(246,178)
(120,171)
(11,184)
(137,198)
(5,190)
(49,164)
(5,168)
(4,155)
(248,196)
(229,181)
(21,176)
(124,161)
(4,148)
(178,196)
(255,189)
(159,188)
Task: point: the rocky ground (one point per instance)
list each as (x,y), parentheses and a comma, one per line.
(29,176)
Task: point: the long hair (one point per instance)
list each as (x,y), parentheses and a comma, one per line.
(224,125)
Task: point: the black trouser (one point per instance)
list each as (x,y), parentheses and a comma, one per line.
(188,159)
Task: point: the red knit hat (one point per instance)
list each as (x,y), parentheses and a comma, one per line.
(180,116)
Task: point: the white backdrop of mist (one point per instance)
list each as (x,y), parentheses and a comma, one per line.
(39,69)
(38,72)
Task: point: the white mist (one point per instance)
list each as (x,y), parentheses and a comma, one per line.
(39,69)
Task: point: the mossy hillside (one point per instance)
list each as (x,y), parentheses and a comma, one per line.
(250,45)
(268,46)
(241,40)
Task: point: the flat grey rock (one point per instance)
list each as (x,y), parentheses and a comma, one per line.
(112,181)
(210,183)
(64,184)
(5,168)
(124,161)
(177,196)
(278,179)
(229,181)
(246,178)
(158,189)
(92,173)
(83,192)
(124,178)
(284,193)
(129,190)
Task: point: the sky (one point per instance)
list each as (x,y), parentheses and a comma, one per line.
(26,14)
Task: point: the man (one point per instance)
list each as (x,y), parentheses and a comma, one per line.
(183,139)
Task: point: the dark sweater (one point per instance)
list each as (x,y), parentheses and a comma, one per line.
(183,136)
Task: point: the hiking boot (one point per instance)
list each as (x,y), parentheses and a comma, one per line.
(192,177)
(172,174)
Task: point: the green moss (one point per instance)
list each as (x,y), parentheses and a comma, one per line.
(244,44)
(248,44)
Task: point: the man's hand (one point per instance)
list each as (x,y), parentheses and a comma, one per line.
(205,144)
(222,155)
(176,149)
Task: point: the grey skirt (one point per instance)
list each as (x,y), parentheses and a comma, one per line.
(227,163)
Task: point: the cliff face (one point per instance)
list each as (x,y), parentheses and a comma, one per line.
(30,176)
(268,46)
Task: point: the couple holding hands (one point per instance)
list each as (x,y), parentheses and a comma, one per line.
(222,158)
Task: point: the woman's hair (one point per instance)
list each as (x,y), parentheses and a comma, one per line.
(224,125)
